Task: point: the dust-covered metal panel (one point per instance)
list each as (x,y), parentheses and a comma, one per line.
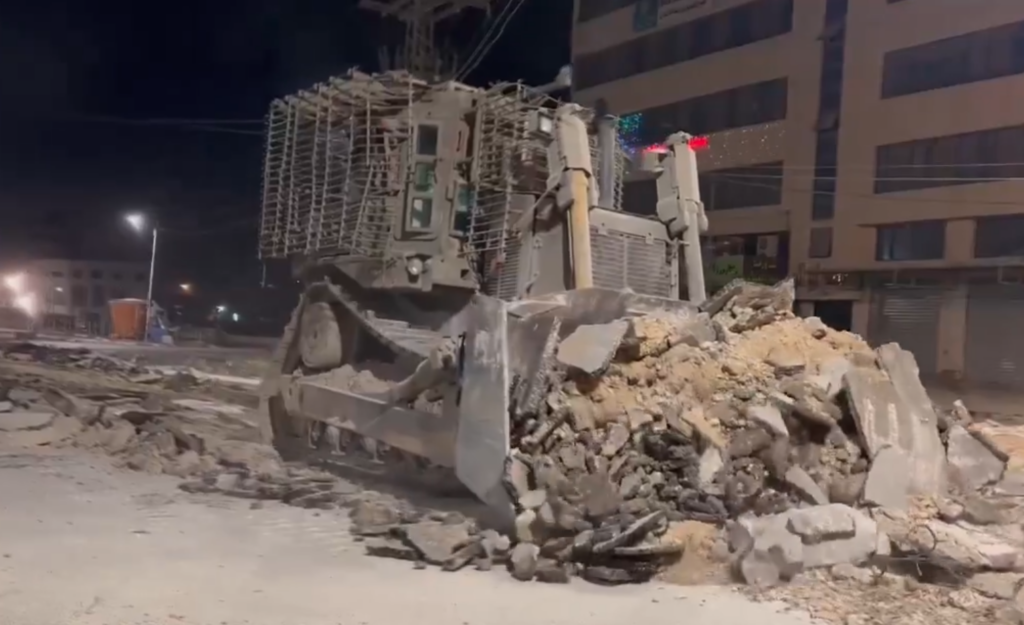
(994,343)
(908,316)
(633,252)
(334,163)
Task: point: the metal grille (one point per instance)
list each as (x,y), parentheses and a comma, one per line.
(910,317)
(994,352)
(624,260)
(333,165)
(503,280)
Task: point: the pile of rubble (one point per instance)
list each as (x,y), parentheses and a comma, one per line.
(809,449)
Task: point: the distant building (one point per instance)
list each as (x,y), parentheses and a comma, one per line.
(77,293)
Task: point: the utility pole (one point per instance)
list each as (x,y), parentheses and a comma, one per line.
(420,18)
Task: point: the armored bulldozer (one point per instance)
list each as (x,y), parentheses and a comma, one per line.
(446,237)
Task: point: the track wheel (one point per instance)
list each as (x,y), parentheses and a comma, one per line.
(320,341)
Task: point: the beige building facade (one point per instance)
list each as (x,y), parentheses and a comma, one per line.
(873,149)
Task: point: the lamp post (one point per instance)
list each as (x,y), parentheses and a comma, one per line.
(138,223)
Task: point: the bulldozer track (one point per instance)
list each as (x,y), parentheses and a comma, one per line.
(409,345)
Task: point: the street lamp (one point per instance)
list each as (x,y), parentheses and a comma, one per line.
(138,223)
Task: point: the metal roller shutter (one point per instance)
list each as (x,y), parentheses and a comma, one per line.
(994,350)
(910,317)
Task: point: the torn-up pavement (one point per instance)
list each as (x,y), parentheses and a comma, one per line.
(799,452)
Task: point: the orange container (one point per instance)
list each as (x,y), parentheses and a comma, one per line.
(128,319)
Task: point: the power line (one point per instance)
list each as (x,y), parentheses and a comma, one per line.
(161,121)
(501,23)
(232,225)
(198,125)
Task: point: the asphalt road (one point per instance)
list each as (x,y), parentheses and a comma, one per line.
(82,543)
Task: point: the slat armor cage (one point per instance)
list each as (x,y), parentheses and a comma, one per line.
(337,158)
(333,165)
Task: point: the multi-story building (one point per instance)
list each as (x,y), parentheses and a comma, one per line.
(872,149)
(78,292)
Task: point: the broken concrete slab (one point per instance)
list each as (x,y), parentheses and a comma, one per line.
(25,420)
(971,463)
(523,561)
(821,523)
(711,463)
(888,481)
(770,417)
(901,366)
(776,554)
(6,406)
(785,544)
(436,542)
(709,433)
(591,348)
(830,376)
(805,485)
(885,419)
(965,546)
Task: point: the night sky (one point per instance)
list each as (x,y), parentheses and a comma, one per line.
(75,73)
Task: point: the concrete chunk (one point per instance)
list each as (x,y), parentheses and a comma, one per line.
(821,523)
(805,486)
(889,413)
(770,417)
(972,464)
(710,464)
(855,549)
(20,421)
(888,481)
(590,348)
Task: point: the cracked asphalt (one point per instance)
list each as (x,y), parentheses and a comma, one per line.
(83,543)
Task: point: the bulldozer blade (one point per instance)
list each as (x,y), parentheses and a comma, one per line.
(482,438)
(424,434)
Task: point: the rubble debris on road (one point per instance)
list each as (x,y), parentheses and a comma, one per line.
(793,451)
(82,358)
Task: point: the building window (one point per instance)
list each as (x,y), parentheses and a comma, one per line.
(56,274)
(116,276)
(77,274)
(749,105)
(921,240)
(821,243)
(99,296)
(96,274)
(593,9)
(964,59)
(725,30)
(742,187)
(640,197)
(830,99)
(79,296)
(996,237)
(972,157)
(140,277)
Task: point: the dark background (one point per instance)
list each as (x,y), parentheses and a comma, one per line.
(76,76)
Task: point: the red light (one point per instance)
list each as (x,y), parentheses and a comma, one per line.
(699,143)
(656,148)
